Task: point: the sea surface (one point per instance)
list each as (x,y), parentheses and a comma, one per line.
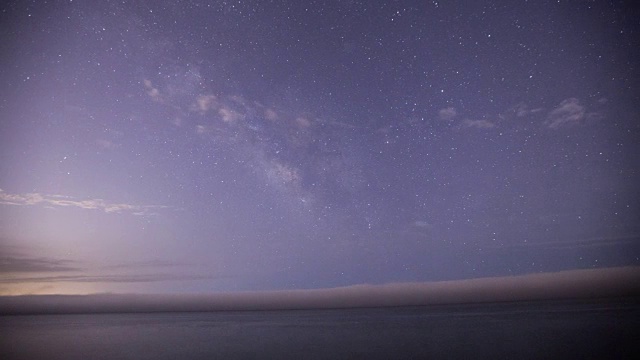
(531,330)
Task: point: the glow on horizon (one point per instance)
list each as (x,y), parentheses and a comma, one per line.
(49,288)
(165,147)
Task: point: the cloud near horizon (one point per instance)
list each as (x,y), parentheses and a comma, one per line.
(65,201)
(22,275)
(590,283)
(26,264)
(112,278)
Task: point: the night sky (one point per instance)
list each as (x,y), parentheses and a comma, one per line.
(195,146)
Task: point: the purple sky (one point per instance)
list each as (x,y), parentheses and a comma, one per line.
(151,146)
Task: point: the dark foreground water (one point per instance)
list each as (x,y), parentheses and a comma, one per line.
(542,330)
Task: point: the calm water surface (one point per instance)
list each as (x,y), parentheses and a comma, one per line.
(490,331)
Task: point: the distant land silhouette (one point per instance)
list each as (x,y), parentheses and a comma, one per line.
(572,284)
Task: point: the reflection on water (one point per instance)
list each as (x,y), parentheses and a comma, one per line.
(525,330)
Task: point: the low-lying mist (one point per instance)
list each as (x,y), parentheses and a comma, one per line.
(611,282)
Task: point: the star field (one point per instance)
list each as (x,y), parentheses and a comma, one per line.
(264,145)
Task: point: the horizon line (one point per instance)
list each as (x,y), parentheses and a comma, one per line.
(568,284)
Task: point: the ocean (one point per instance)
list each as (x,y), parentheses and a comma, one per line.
(529,330)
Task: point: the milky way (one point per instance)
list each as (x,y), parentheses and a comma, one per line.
(255,145)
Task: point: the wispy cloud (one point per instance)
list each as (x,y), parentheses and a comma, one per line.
(28,264)
(152,91)
(569,113)
(447,114)
(520,110)
(62,201)
(422,224)
(117,278)
(19,268)
(201,129)
(137,265)
(303,122)
(564,284)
